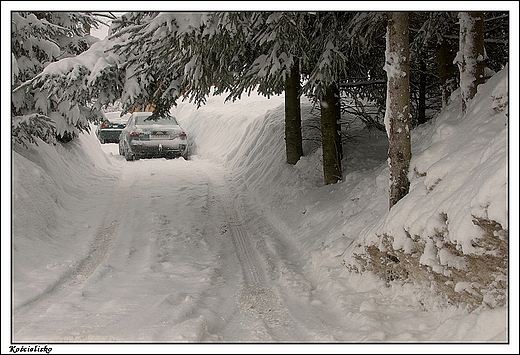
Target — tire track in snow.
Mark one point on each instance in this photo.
(243, 247)
(101, 248)
(104, 241)
(257, 297)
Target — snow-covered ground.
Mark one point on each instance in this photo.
(236, 246)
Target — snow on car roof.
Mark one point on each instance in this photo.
(116, 116)
(142, 113)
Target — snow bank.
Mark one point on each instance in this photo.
(49, 186)
(459, 169)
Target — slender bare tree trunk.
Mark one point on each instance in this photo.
(397, 116)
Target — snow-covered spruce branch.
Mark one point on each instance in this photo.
(25, 129)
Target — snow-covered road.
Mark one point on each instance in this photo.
(180, 255)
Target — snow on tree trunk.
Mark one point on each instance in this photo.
(330, 135)
(471, 56)
(397, 115)
(293, 123)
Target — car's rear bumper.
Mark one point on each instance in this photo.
(109, 136)
(159, 148)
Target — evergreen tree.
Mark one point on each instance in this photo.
(230, 52)
(496, 40)
(38, 39)
(181, 55)
(433, 42)
(273, 52)
(326, 62)
(147, 61)
(363, 89)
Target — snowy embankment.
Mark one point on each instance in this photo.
(52, 196)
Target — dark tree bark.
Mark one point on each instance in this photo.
(471, 54)
(447, 70)
(397, 115)
(331, 135)
(293, 122)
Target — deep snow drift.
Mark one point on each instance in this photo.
(61, 193)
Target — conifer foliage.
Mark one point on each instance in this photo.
(38, 39)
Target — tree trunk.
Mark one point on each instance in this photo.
(331, 135)
(471, 54)
(293, 121)
(397, 115)
(447, 70)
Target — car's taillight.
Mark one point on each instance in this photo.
(183, 135)
(104, 125)
(134, 134)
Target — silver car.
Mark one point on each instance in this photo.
(146, 137)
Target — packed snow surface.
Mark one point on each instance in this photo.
(235, 247)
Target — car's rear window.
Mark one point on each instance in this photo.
(168, 120)
(116, 117)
